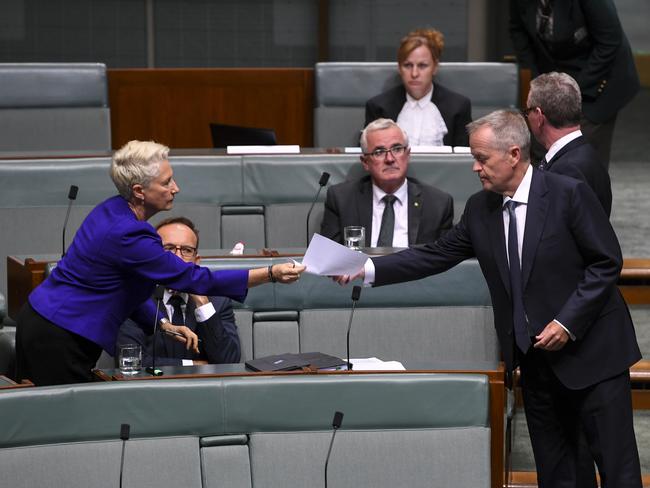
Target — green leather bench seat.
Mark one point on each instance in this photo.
(447, 317)
(54, 107)
(251, 431)
(342, 89)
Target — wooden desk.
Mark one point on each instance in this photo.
(9, 384)
(493, 371)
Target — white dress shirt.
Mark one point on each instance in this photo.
(201, 314)
(560, 143)
(422, 121)
(401, 205)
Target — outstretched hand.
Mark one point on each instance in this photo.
(345, 279)
(287, 272)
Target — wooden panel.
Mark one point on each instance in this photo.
(176, 106)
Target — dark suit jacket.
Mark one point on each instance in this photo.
(219, 338)
(456, 110)
(580, 160)
(430, 212)
(589, 44)
(571, 261)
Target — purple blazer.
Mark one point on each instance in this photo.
(112, 267)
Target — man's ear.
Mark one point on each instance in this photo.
(364, 162)
(514, 152)
(197, 259)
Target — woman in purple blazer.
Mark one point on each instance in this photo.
(110, 271)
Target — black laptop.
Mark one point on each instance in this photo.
(234, 135)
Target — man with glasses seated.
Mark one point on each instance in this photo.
(396, 211)
(210, 318)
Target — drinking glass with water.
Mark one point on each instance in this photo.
(130, 359)
(354, 237)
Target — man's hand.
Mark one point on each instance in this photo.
(182, 334)
(199, 300)
(552, 338)
(345, 279)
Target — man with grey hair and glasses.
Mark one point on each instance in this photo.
(396, 211)
(551, 261)
(554, 110)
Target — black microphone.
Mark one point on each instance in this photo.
(336, 423)
(72, 196)
(158, 294)
(356, 293)
(324, 178)
(125, 432)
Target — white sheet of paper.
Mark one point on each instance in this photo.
(325, 257)
(278, 149)
(374, 364)
(430, 149)
(352, 150)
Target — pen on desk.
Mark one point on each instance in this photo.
(174, 333)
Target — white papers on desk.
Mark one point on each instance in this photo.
(324, 257)
(352, 150)
(462, 149)
(277, 149)
(374, 364)
(430, 149)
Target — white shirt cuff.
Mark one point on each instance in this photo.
(204, 312)
(369, 270)
(573, 338)
(187, 362)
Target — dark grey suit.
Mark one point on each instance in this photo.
(456, 110)
(219, 338)
(579, 159)
(430, 212)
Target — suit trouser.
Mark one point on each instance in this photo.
(47, 354)
(600, 136)
(557, 417)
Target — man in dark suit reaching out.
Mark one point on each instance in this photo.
(553, 112)
(551, 261)
(417, 213)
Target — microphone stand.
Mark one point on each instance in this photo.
(158, 295)
(125, 432)
(336, 423)
(324, 178)
(356, 293)
(72, 196)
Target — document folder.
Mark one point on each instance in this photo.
(289, 362)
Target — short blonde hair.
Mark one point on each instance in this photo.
(137, 162)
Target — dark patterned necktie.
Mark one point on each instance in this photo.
(522, 337)
(387, 222)
(177, 316)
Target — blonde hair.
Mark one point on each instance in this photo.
(431, 38)
(137, 162)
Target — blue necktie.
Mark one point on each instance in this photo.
(522, 337)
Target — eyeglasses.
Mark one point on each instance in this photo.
(380, 153)
(527, 111)
(186, 251)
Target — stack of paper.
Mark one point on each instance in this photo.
(374, 364)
